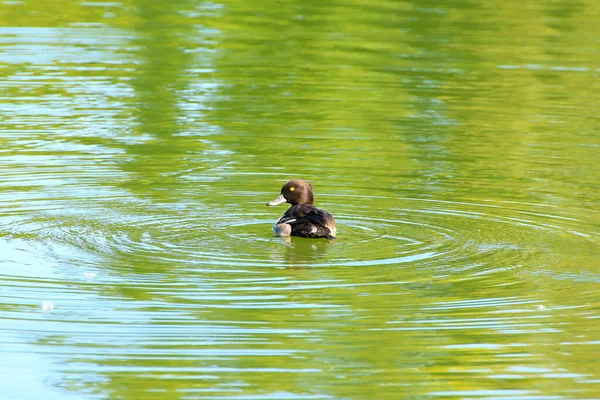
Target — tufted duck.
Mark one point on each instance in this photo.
(302, 218)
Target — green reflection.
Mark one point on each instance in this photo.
(165, 39)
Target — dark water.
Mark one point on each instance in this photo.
(456, 143)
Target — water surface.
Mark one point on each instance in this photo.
(456, 144)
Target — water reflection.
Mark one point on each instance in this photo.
(167, 106)
(305, 251)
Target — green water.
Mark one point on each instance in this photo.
(456, 143)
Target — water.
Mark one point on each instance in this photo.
(456, 144)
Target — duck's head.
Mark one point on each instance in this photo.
(296, 191)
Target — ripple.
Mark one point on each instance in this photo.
(432, 233)
(476, 233)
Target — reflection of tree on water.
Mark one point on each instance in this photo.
(164, 148)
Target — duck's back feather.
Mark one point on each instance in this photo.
(308, 221)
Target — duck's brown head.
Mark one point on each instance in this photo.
(296, 191)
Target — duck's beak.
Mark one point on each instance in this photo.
(280, 199)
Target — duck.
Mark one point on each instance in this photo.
(302, 218)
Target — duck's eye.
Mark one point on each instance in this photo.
(292, 189)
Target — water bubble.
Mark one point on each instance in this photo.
(47, 306)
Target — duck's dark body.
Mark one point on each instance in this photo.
(308, 221)
(302, 218)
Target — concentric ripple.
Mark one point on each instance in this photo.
(430, 232)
